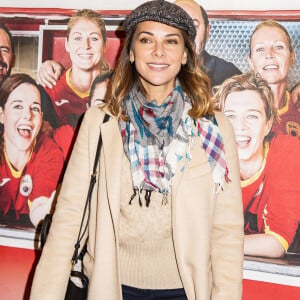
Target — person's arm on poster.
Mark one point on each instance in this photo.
(46, 180)
(49, 72)
(263, 245)
(40, 207)
(282, 213)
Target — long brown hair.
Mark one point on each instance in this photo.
(193, 81)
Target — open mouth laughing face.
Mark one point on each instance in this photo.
(246, 113)
(22, 118)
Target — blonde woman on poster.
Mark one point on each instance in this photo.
(85, 43)
(272, 55)
(30, 162)
(269, 165)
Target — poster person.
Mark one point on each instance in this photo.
(30, 162)
(269, 168)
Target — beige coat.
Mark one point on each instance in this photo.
(207, 230)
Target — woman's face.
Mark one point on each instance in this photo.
(158, 52)
(270, 54)
(85, 45)
(22, 117)
(246, 113)
(99, 93)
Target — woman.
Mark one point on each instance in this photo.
(271, 55)
(30, 162)
(85, 43)
(164, 221)
(269, 166)
(98, 93)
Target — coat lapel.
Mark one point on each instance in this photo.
(113, 154)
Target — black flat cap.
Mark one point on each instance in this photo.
(163, 12)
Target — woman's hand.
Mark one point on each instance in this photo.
(49, 73)
(39, 208)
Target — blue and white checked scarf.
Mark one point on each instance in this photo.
(156, 139)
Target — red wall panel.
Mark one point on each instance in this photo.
(17, 269)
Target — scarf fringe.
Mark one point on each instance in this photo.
(147, 196)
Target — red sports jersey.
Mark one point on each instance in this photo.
(64, 136)
(69, 103)
(289, 122)
(39, 177)
(271, 197)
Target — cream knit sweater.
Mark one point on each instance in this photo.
(147, 257)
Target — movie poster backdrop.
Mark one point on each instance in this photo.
(229, 39)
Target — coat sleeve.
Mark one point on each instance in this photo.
(52, 272)
(227, 233)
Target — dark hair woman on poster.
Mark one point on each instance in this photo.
(30, 162)
(100, 88)
(166, 214)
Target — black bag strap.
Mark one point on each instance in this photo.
(45, 229)
(93, 180)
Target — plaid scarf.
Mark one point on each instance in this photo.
(212, 143)
(156, 139)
